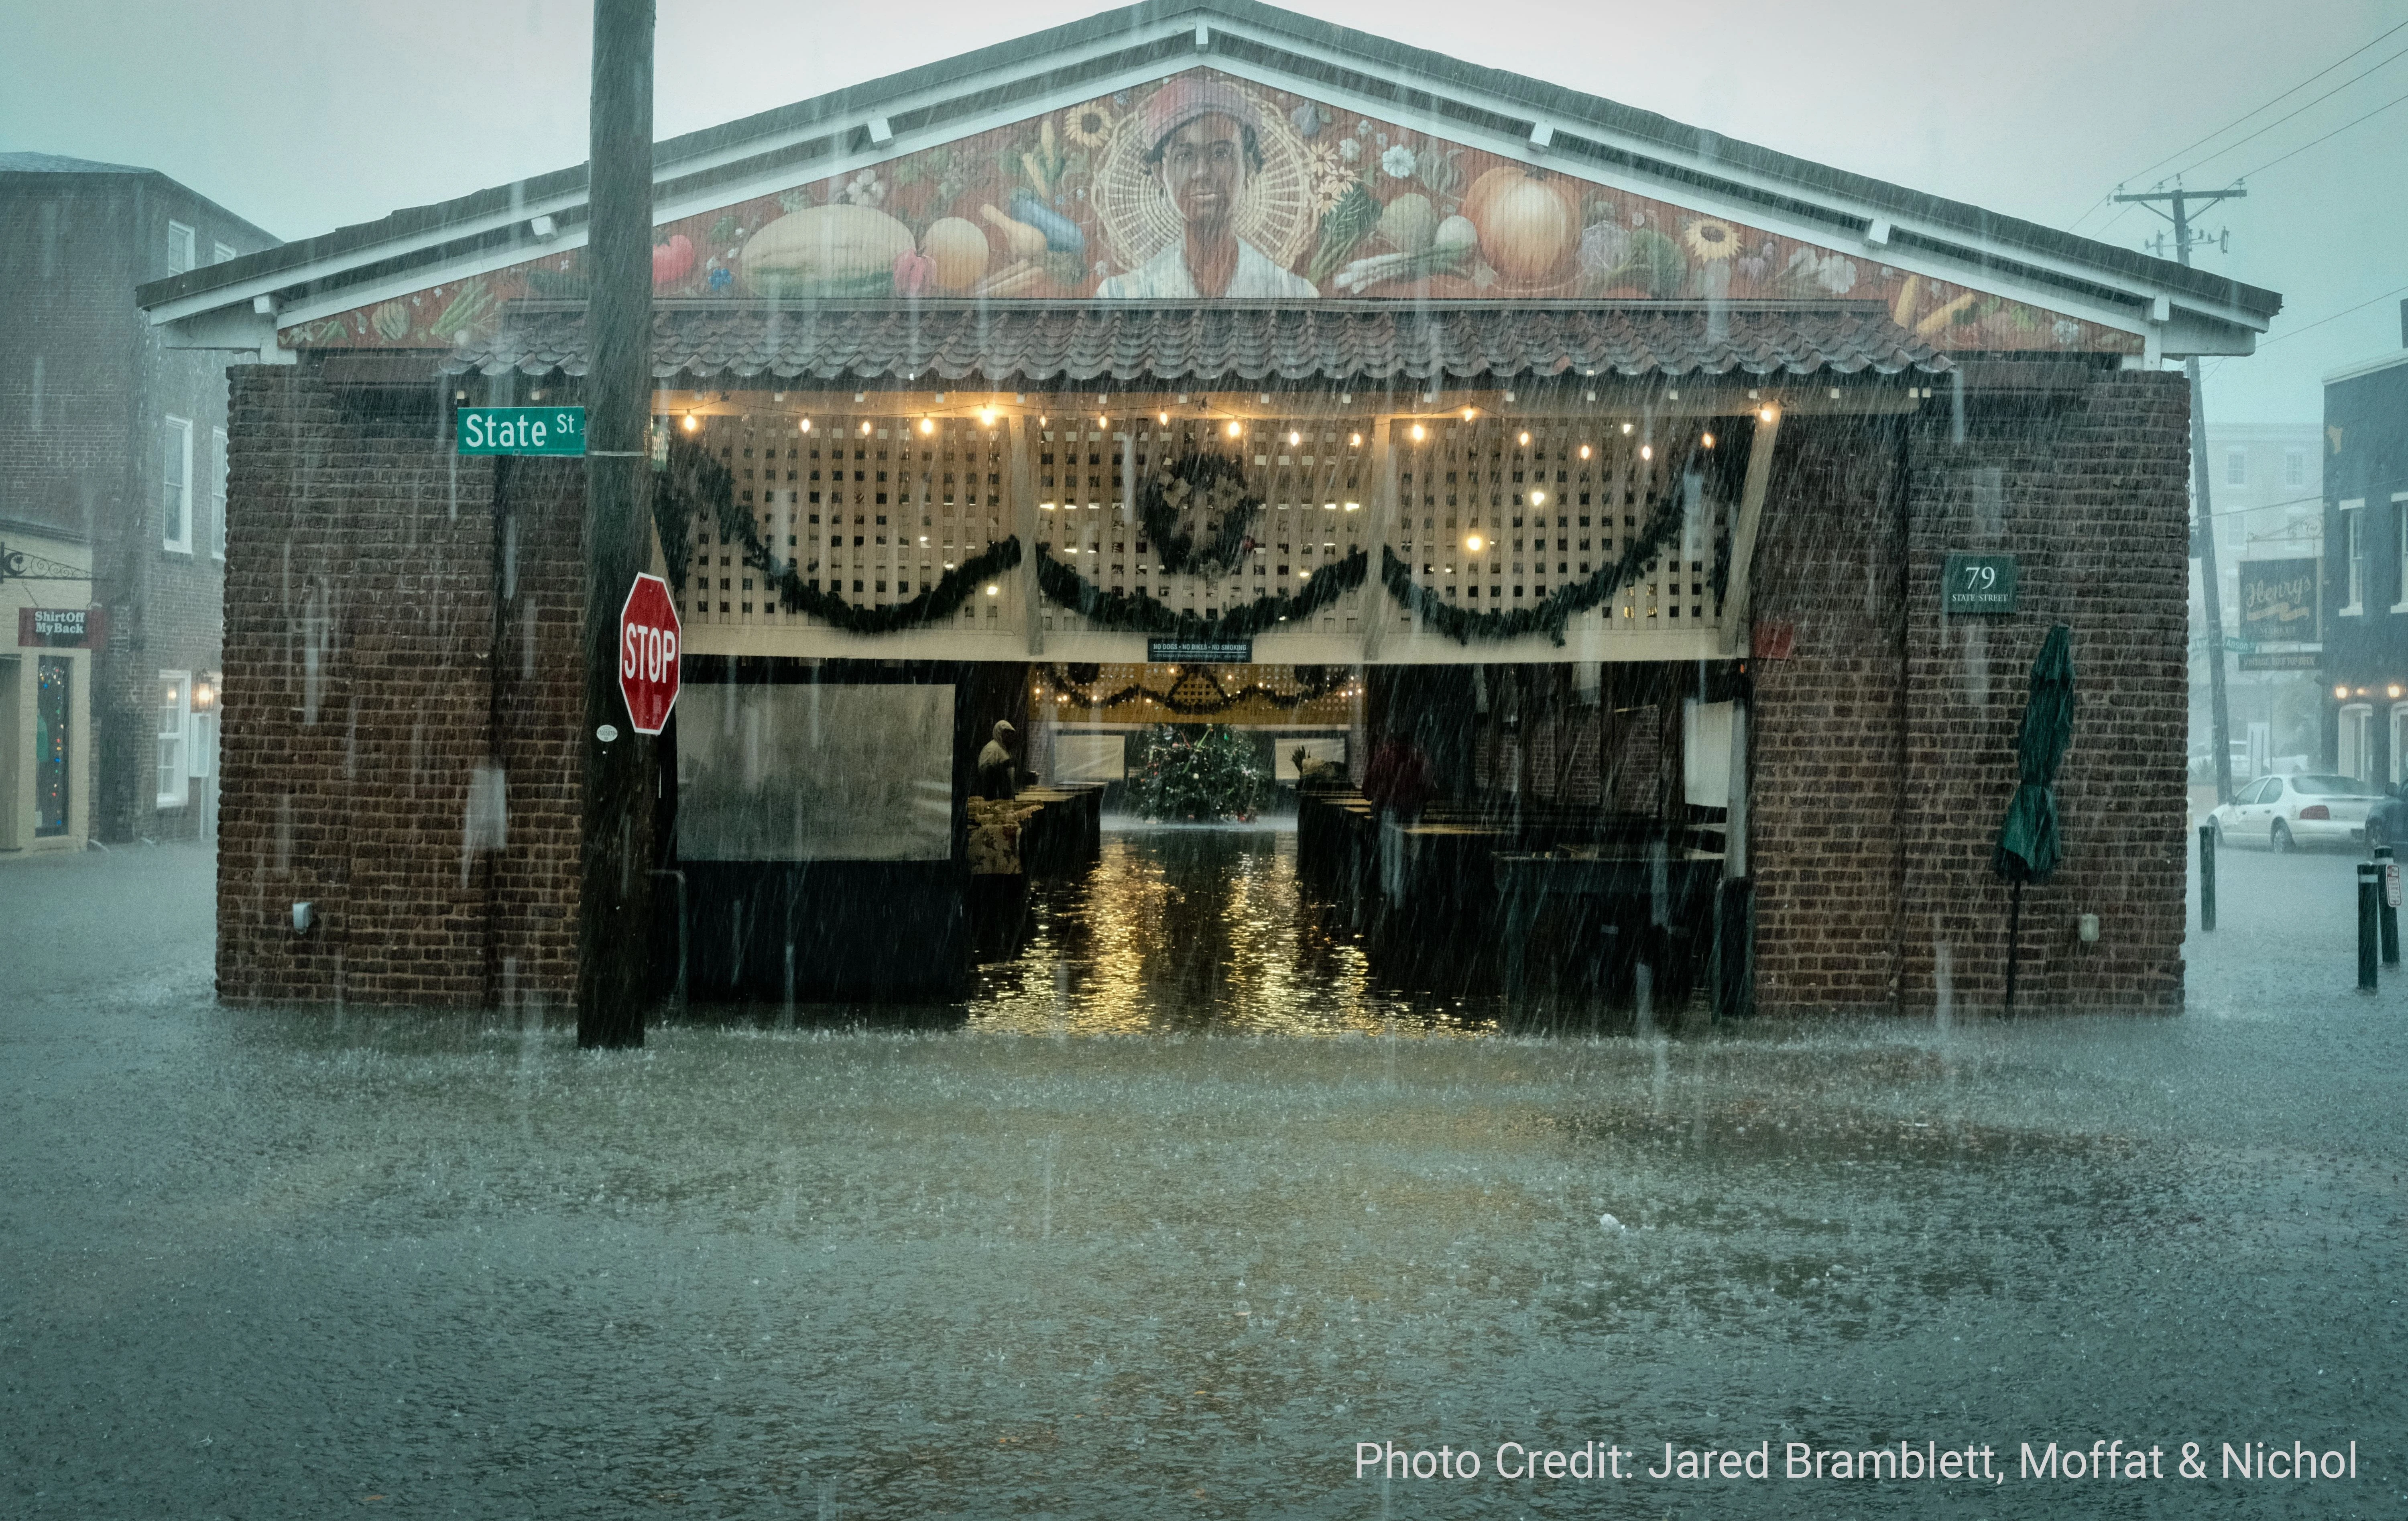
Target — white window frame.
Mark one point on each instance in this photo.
(222, 253)
(2398, 742)
(217, 493)
(176, 486)
(2236, 466)
(183, 248)
(2400, 531)
(172, 741)
(2353, 548)
(2295, 467)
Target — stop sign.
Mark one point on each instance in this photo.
(648, 654)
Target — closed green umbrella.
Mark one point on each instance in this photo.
(2030, 845)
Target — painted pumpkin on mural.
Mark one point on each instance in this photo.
(1206, 186)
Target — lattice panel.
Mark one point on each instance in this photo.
(1311, 474)
(870, 508)
(1547, 503)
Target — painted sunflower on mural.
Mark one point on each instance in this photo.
(1709, 240)
(1089, 126)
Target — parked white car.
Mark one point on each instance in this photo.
(2284, 812)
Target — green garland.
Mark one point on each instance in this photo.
(1175, 548)
(696, 481)
(1316, 688)
(1135, 612)
(1548, 617)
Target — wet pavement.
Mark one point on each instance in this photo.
(285, 1264)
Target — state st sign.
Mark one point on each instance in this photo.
(648, 654)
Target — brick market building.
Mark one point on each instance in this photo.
(1612, 469)
(112, 468)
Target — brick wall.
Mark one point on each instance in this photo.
(389, 633)
(1884, 746)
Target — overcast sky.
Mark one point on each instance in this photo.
(303, 115)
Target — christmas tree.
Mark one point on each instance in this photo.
(1201, 772)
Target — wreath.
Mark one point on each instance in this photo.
(1212, 486)
(696, 481)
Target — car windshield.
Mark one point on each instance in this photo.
(2333, 786)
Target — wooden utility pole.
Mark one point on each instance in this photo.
(614, 903)
(2220, 712)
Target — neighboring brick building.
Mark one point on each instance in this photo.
(114, 441)
(1626, 461)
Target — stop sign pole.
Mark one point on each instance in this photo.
(614, 929)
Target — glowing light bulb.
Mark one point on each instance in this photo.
(1294, 438)
(928, 426)
(1468, 413)
(993, 591)
(1163, 418)
(1583, 450)
(1473, 543)
(1355, 440)
(1538, 498)
(1237, 430)
(1707, 439)
(690, 423)
(1625, 428)
(2340, 691)
(864, 428)
(806, 424)
(1420, 433)
(1526, 437)
(1766, 414)
(1646, 450)
(986, 415)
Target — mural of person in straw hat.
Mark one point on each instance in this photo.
(1204, 142)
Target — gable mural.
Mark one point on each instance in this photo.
(1207, 187)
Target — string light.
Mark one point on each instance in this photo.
(1355, 440)
(1707, 439)
(1419, 433)
(986, 415)
(1237, 430)
(690, 423)
(1294, 438)
(806, 424)
(1163, 418)
(864, 428)
(1538, 498)
(928, 426)
(1625, 428)
(1467, 414)
(1473, 543)
(1526, 437)
(1766, 414)
(1646, 450)
(1583, 450)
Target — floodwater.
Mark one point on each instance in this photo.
(1200, 929)
(301, 1263)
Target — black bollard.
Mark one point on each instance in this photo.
(2387, 911)
(2207, 876)
(2369, 893)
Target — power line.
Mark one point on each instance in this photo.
(2287, 115)
(2335, 317)
(2246, 116)
(2334, 133)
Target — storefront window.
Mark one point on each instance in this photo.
(53, 705)
(2356, 755)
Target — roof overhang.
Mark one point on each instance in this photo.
(2176, 311)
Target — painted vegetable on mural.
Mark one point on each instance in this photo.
(1526, 222)
(825, 251)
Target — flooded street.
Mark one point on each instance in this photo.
(270, 1263)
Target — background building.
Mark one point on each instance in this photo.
(2266, 483)
(112, 460)
(2366, 566)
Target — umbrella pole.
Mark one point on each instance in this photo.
(2014, 941)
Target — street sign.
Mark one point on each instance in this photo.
(648, 654)
(522, 430)
(2240, 646)
(1978, 583)
(1201, 652)
(2278, 600)
(2282, 660)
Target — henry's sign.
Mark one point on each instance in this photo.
(2278, 600)
(648, 654)
(522, 430)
